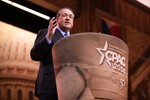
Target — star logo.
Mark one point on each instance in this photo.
(100, 51)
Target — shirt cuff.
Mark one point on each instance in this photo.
(49, 41)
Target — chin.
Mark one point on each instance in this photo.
(68, 27)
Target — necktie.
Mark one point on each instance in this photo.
(65, 34)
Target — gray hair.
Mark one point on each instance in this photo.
(59, 12)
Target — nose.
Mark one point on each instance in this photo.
(68, 17)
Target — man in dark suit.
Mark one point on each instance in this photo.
(45, 87)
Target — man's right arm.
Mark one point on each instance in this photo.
(41, 46)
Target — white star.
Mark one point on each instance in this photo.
(100, 51)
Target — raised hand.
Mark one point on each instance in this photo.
(51, 28)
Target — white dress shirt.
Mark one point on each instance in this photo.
(62, 32)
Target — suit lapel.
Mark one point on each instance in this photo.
(57, 36)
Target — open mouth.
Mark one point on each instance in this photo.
(67, 23)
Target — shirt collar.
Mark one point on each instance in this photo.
(62, 32)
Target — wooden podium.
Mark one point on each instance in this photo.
(91, 66)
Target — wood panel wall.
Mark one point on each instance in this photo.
(121, 9)
(129, 13)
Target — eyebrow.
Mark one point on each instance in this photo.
(66, 13)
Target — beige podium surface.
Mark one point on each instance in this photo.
(91, 66)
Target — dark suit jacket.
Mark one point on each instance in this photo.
(41, 51)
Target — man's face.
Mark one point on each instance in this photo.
(65, 20)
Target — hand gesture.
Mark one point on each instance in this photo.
(51, 27)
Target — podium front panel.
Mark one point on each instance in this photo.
(91, 66)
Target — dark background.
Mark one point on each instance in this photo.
(23, 19)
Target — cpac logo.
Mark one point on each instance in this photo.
(115, 60)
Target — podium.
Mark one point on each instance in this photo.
(91, 66)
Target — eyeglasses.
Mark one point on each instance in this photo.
(66, 15)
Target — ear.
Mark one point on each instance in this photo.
(57, 20)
